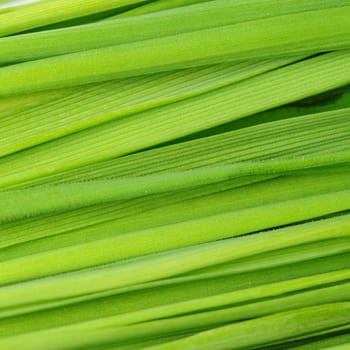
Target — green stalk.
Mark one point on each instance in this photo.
(265, 38)
(248, 296)
(229, 148)
(287, 256)
(340, 347)
(159, 5)
(186, 19)
(138, 228)
(318, 335)
(163, 265)
(158, 239)
(34, 228)
(14, 104)
(327, 343)
(335, 99)
(217, 107)
(48, 12)
(151, 211)
(174, 290)
(267, 329)
(70, 110)
(19, 204)
(249, 303)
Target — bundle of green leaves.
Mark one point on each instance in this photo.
(175, 174)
